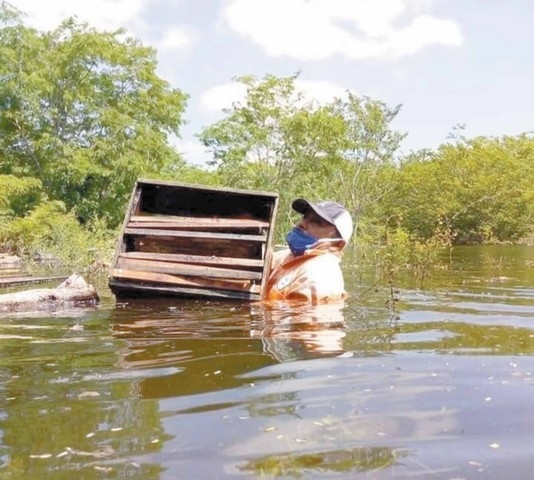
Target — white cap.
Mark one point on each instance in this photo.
(333, 212)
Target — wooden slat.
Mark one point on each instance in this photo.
(234, 226)
(185, 269)
(120, 287)
(188, 246)
(191, 234)
(188, 249)
(26, 280)
(190, 282)
(173, 221)
(246, 194)
(194, 259)
(9, 271)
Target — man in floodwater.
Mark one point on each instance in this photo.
(310, 269)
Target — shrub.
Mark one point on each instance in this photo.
(50, 231)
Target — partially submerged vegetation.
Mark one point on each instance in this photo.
(83, 114)
(49, 232)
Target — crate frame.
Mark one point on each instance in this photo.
(194, 241)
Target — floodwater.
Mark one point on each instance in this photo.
(437, 385)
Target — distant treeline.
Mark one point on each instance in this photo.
(83, 114)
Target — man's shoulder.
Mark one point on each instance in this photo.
(311, 260)
(324, 261)
(324, 257)
(280, 256)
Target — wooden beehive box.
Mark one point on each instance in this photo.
(194, 241)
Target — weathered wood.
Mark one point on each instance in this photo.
(173, 221)
(192, 234)
(7, 261)
(189, 239)
(26, 280)
(185, 269)
(191, 282)
(72, 291)
(128, 289)
(199, 246)
(8, 271)
(194, 259)
(133, 208)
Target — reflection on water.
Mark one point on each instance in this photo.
(169, 389)
(214, 343)
(340, 461)
(292, 332)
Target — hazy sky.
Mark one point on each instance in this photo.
(448, 62)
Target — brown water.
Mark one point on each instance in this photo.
(441, 389)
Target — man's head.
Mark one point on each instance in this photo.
(324, 219)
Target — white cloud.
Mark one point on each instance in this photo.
(317, 29)
(222, 96)
(194, 152)
(101, 14)
(399, 74)
(174, 38)
(321, 91)
(110, 15)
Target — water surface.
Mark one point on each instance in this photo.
(438, 385)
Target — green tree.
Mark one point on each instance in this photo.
(368, 148)
(276, 140)
(479, 189)
(84, 112)
(18, 195)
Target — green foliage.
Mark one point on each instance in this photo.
(401, 251)
(85, 113)
(191, 174)
(18, 195)
(367, 147)
(49, 230)
(275, 140)
(479, 189)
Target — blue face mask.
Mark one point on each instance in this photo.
(299, 241)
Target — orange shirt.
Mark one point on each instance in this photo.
(314, 277)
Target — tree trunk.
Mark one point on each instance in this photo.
(74, 290)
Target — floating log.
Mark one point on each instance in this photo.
(73, 291)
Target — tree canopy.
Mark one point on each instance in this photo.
(480, 189)
(476, 190)
(277, 140)
(84, 112)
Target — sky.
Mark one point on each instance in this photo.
(449, 63)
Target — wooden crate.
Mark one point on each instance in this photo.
(194, 241)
